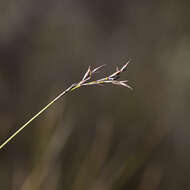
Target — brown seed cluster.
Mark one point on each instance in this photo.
(113, 78)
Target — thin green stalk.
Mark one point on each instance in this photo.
(35, 116)
(84, 82)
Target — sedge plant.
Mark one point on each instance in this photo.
(86, 81)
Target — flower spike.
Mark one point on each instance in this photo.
(87, 74)
(97, 68)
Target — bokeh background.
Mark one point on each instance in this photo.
(97, 138)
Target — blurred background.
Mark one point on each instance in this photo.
(97, 138)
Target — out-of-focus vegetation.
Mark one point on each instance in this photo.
(96, 138)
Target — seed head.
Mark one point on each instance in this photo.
(113, 78)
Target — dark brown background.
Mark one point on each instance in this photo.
(96, 138)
